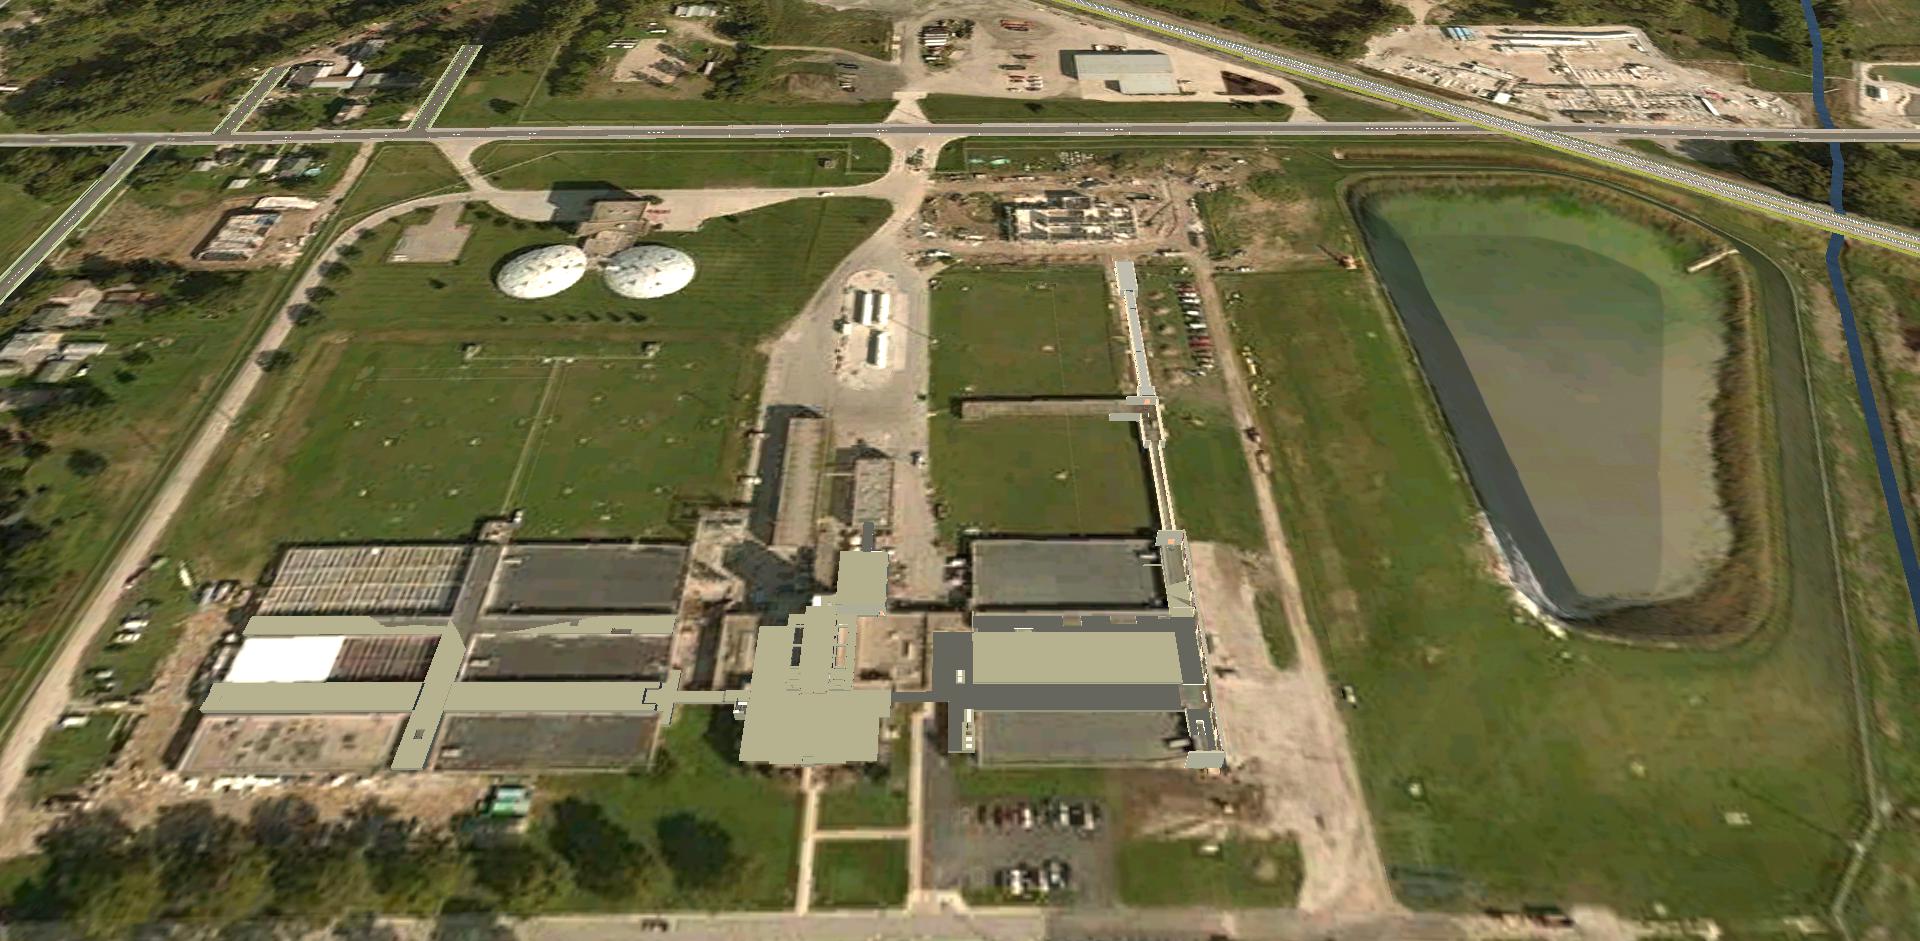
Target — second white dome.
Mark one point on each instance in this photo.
(646, 271)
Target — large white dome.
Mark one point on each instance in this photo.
(645, 271)
(542, 272)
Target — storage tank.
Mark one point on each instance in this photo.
(648, 271)
(541, 272)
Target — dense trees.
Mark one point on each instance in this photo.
(1333, 27)
(195, 865)
(89, 59)
(52, 175)
(284, 862)
(1879, 178)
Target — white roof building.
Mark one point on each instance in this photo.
(1133, 73)
(541, 272)
(285, 659)
(646, 271)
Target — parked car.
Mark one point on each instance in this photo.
(1057, 875)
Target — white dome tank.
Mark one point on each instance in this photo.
(645, 271)
(542, 272)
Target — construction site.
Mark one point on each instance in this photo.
(1605, 74)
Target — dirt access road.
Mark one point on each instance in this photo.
(53, 691)
(1282, 727)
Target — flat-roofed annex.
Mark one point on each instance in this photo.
(1069, 657)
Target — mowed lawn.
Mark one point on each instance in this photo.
(860, 874)
(423, 400)
(1041, 476)
(1232, 873)
(396, 173)
(23, 216)
(1006, 331)
(642, 165)
(724, 836)
(1212, 489)
(1503, 766)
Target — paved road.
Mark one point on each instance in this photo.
(1002, 129)
(443, 89)
(248, 103)
(16, 273)
(1750, 197)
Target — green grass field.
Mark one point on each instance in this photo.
(23, 216)
(1040, 476)
(970, 109)
(491, 99)
(395, 174)
(1273, 627)
(874, 801)
(683, 164)
(1906, 74)
(1212, 492)
(167, 606)
(383, 429)
(67, 757)
(1025, 331)
(1546, 770)
(727, 837)
(860, 874)
(1237, 874)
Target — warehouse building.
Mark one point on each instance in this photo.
(491, 655)
(1137, 72)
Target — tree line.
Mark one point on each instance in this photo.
(1338, 28)
(91, 59)
(285, 863)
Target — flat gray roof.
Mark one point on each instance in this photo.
(536, 577)
(527, 742)
(1069, 657)
(1045, 738)
(1076, 574)
(549, 657)
(1102, 66)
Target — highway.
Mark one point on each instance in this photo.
(57, 232)
(1004, 129)
(443, 88)
(1751, 197)
(262, 86)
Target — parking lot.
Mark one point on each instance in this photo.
(971, 841)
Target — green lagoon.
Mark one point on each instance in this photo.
(1576, 362)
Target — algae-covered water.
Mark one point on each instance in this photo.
(1576, 361)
